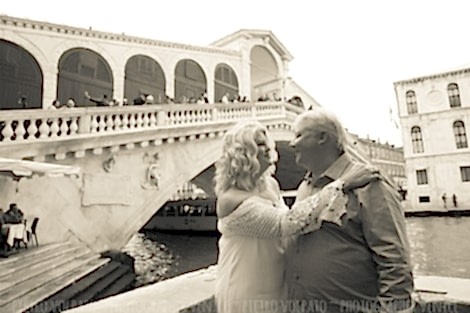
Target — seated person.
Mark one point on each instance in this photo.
(14, 215)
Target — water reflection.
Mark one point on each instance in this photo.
(159, 256)
(440, 245)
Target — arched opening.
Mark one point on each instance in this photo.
(83, 70)
(190, 81)
(225, 81)
(143, 75)
(454, 95)
(266, 83)
(460, 135)
(20, 77)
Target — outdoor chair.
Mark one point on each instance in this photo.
(32, 236)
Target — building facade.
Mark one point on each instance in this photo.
(386, 157)
(434, 114)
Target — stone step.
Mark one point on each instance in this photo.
(122, 284)
(110, 279)
(104, 282)
(71, 295)
(32, 252)
(50, 279)
(25, 274)
(28, 261)
(64, 289)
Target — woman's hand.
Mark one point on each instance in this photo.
(359, 177)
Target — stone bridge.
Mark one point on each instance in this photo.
(132, 161)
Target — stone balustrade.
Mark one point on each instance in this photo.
(43, 125)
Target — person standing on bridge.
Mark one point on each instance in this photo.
(252, 219)
(101, 102)
(363, 263)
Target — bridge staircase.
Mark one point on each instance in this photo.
(58, 276)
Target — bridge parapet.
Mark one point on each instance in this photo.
(43, 127)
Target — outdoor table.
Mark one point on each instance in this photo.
(12, 232)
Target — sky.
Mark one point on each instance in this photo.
(347, 54)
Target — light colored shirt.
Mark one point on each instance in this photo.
(365, 261)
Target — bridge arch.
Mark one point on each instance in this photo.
(190, 81)
(83, 70)
(20, 76)
(225, 81)
(265, 72)
(144, 75)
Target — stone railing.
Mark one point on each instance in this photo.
(44, 125)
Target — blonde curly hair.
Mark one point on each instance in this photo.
(239, 166)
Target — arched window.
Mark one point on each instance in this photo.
(454, 95)
(190, 81)
(144, 76)
(225, 81)
(411, 103)
(83, 70)
(417, 140)
(21, 78)
(460, 135)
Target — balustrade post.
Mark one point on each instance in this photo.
(84, 123)
(215, 114)
(253, 112)
(161, 118)
(20, 130)
(145, 120)
(132, 121)
(44, 129)
(73, 125)
(64, 128)
(7, 131)
(109, 123)
(153, 120)
(54, 127)
(32, 130)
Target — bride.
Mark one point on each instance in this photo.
(255, 223)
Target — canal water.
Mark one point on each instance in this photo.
(439, 246)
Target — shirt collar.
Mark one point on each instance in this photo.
(332, 173)
(338, 167)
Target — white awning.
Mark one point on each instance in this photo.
(20, 168)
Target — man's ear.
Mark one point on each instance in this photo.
(323, 137)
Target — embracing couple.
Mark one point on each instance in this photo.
(342, 247)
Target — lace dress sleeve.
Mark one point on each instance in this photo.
(257, 217)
